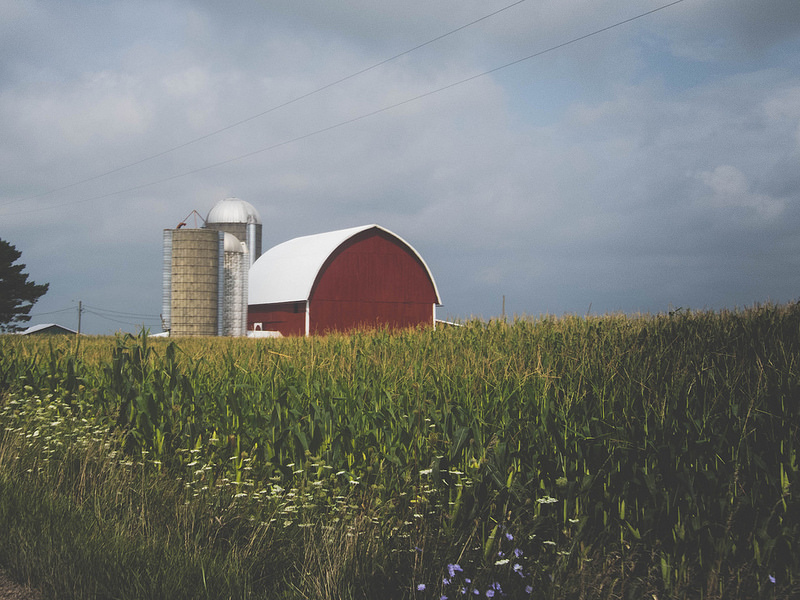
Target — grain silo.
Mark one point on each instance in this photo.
(239, 218)
(206, 272)
(193, 274)
(236, 264)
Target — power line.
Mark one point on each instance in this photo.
(107, 318)
(104, 313)
(118, 316)
(265, 112)
(112, 318)
(358, 118)
(52, 312)
(120, 312)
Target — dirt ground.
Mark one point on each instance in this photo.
(13, 591)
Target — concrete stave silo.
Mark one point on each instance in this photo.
(192, 294)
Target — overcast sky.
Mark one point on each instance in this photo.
(651, 166)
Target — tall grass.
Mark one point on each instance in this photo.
(617, 455)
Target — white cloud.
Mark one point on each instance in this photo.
(784, 110)
(730, 189)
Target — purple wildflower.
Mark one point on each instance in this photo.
(771, 579)
(490, 593)
(529, 589)
(453, 569)
(421, 587)
(517, 552)
(509, 537)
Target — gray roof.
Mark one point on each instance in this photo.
(47, 328)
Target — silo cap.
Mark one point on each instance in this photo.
(232, 243)
(233, 210)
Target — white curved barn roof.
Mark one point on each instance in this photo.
(287, 272)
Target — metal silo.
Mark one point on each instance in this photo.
(234, 304)
(166, 281)
(193, 281)
(240, 218)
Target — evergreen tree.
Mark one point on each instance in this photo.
(17, 294)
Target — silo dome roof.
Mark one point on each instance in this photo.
(233, 210)
(232, 243)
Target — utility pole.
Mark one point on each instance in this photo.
(80, 310)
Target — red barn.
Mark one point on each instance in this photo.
(360, 277)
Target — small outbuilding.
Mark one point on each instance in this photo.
(48, 329)
(341, 280)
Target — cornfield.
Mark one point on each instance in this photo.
(615, 456)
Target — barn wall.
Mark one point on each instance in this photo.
(372, 280)
(288, 317)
